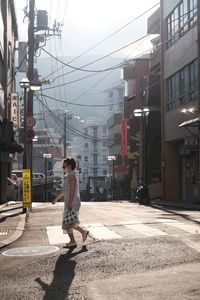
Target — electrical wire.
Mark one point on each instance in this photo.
(109, 36)
(61, 123)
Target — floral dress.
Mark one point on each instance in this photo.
(76, 203)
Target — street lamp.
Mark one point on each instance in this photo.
(46, 157)
(34, 85)
(142, 114)
(25, 84)
(113, 158)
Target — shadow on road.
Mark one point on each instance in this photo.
(175, 212)
(63, 275)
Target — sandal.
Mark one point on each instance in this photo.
(85, 235)
(68, 245)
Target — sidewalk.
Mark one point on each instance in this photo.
(12, 222)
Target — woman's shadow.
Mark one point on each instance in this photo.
(63, 275)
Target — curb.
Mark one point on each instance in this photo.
(17, 233)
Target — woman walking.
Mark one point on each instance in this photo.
(71, 200)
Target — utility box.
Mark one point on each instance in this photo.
(42, 20)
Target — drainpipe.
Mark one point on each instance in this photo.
(163, 170)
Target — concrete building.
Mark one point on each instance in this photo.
(8, 97)
(180, 100)
(135, 75)
(114, 99)
(94, 160)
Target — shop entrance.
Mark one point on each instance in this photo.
(190, 178)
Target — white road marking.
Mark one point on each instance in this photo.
(101, 232)
(190, 228)
(144, 229)
(191, 244)
(56, 236)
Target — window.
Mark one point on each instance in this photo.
(180, 20)
(95, 132)
(105, 172)
(182, 86)
(86, 158)
(104, 129)
(104, 144)
(111, 94)
(95, 159)
(95, 172)
(104, 158)
(86, 145)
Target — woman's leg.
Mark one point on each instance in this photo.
(71, 237)
(84, 232)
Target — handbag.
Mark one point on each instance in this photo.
(70, 217)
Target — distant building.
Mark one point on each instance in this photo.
(94, 157)
(114, 99)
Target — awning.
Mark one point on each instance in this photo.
(191, 123)
(10, 147)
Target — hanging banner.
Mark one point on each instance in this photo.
(14, 110)
(26, 185)
(124, 138)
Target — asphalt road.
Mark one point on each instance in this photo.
(135, 252)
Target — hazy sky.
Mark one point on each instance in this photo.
(87, 22)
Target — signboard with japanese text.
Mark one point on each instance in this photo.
(124, 138)
(21, 112)
(14, 110)
(26, 186)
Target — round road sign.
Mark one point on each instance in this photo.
(30, 134)
(30, 121)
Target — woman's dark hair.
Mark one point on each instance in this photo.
(70, 161)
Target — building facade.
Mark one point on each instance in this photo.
(180, 99)
(8, 112)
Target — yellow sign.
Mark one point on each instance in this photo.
(26, 185)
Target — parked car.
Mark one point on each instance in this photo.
(38, 175)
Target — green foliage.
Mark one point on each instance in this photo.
(133, 155)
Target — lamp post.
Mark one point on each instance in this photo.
(113, 158)
(34, 85)
(25, 84)
(46, 157)
(142, 114)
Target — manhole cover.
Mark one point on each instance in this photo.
(31, 251)
(4, 231)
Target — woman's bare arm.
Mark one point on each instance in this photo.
(72, 184)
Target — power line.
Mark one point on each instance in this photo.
(61, 123)
(109, 36)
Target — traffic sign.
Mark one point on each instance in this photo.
(30, 121)
(30, 134)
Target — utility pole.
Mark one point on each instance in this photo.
(65, 135)
(31, 49)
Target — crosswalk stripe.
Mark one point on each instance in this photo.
(101, 232)
(194, 228)
(56, 236)
(144, 229)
